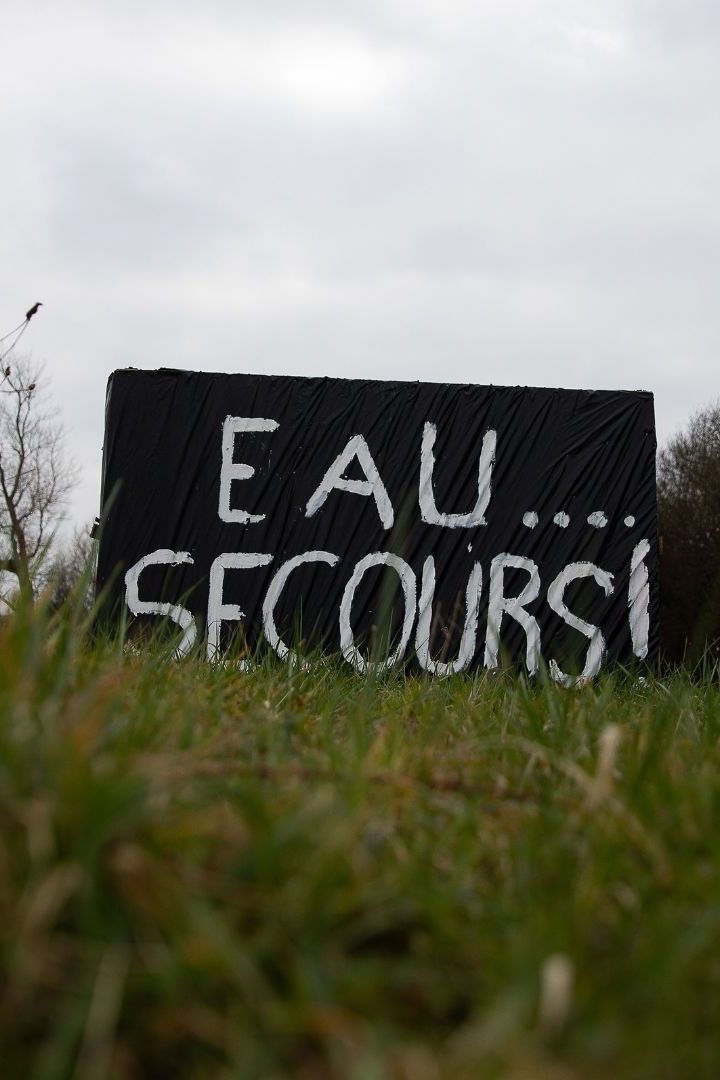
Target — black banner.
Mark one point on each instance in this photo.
(448, 527)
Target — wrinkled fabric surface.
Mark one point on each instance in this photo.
(562, 457)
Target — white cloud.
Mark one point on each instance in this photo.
(605, 42)
(321, 69)
(510, 191)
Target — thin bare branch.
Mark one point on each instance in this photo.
(35, 477)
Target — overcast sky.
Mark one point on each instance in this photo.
(500, 191)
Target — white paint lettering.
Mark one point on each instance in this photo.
(428, 510)
(234, 470)
(178, 614)
(409, 586)
(639, 600)
(372, 484)
(514, 606)
(273, 595)
(466, 650)
(556, 600)
(219, 612)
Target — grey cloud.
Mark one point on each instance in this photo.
(531, 200)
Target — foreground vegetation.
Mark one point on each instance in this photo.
(209, 874)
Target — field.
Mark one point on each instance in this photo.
(211, 874)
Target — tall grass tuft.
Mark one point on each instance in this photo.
(208, 873)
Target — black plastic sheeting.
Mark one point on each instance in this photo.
(457, 526)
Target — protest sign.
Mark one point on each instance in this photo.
(447, 527)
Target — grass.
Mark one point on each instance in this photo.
(209, 874)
